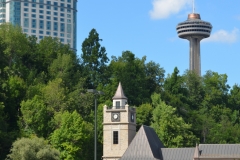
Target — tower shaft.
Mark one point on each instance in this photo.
(194, 55)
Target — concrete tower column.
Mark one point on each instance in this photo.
(194, 54)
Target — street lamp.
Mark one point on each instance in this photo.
(95, 92)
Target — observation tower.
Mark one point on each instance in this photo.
(194, 29)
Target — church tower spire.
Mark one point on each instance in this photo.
(119, 99)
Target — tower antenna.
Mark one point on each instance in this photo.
(193, 6)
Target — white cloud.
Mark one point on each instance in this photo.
(224, 36)
(164, 8)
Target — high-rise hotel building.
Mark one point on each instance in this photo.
(56, 18)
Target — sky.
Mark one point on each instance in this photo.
(148, 28)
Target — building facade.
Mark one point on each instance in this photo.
(56, 18)
(119, 126)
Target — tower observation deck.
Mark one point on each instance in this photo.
(194, 29)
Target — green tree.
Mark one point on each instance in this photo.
(144, 115)
(32, 149)
(234, 98)
(216, 89)
(39, 110)
(171, 129)
(94, 60)
(65, 67)
(175, 93)
(195, 92)
(73, 137)
(138, 78)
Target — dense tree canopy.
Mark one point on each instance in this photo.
(43, 88)
(33, 149)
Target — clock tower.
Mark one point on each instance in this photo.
(119, 126)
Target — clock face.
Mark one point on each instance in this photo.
(115, 117)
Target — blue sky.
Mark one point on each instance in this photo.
(148, 28)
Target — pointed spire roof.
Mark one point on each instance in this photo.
(119, 93)
(196, 152)
(145, 145)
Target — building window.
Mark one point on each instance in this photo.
(62, 9)
(62, 29)
(68, 28)
(25, 14)
(48, 12)
(117, 103)
(62, 19)
(40, 11)
(48, 7)
(48, 2)
(48, 25)
(55, 13)
(33, 31)
(55, 18)
(25, 30)
(55, 26)
(115, 137)
(40, 6)
(62, 34)
(25, 4)
(40, 32)
(48, 17)
(62, 15)
(26, 9)
(55, 8)
(55, 34)
(33, 15)
(34, 5)
(41, 24)
(33, 10)
(33, 23)
(48, 33)
(69, 1)
(41, 16)
(55, 3)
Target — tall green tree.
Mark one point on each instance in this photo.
(94, 60)
(170, 128)
(138, 78)
(175, 92)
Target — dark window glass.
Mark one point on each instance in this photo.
(115, 137)
(118, 104)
